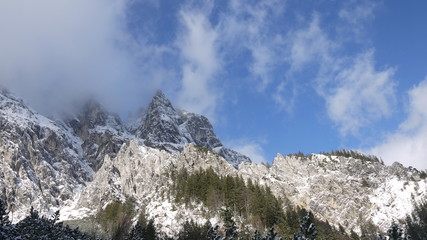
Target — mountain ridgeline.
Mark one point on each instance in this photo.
(172, 169)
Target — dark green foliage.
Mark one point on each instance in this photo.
(395, 233)
(255, 203)
(192, 231)
(353, 235)
(256, 236)
(307, 229)
(298, 154)
(146, 232)
(213, 233)
(144, 229)
(423, 174)
(353, 154)
(368, 230)
(4, 215)
(365, 183)
(417, 222)
(229, 224)
(271, 235)
(116, 218)
(36, 227)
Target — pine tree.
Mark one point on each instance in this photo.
(271, 235)
(229, 224)
(417, 222)
(4, 215)
(212, 233)
(395, 233)
(307, 229)
(257, 236)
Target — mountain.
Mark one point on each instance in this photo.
(85, 161)
(166, 128)
(102, 132)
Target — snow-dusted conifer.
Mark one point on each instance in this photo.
(308, 231)
(395, 233)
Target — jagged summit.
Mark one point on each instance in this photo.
(166, 128)
(102, 132)
(161, 122)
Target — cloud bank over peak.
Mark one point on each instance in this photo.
(54, 52)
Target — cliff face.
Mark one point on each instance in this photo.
(41, 162)
(344, 190)
(46, 163)
(341, 190)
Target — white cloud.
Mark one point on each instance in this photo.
(247, 27)
(56, 52)
(309, 45)
(361, 95)
(285, 96)
(355, 16)
(197, 43)
(249, 148)
(408, 144)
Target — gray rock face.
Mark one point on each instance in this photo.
(102, 133)
(341, 190)
(41, 163)
(166, 128)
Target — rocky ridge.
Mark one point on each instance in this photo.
(341, 190)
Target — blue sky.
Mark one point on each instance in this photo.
(272, 76)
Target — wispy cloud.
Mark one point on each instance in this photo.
(355, 16)
(356, 93)
(197, 43)
(361, 94)
(309, 45)
(408, 144)
(246, 26)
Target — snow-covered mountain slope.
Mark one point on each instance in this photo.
(40, 162)
(45, 163)
(142, 173)
(341, 190)
(164, 127)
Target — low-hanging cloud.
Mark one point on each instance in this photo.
(57, 52)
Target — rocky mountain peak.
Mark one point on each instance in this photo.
(161, 122)
(161, 103)
(101, 131)
(166, 128)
